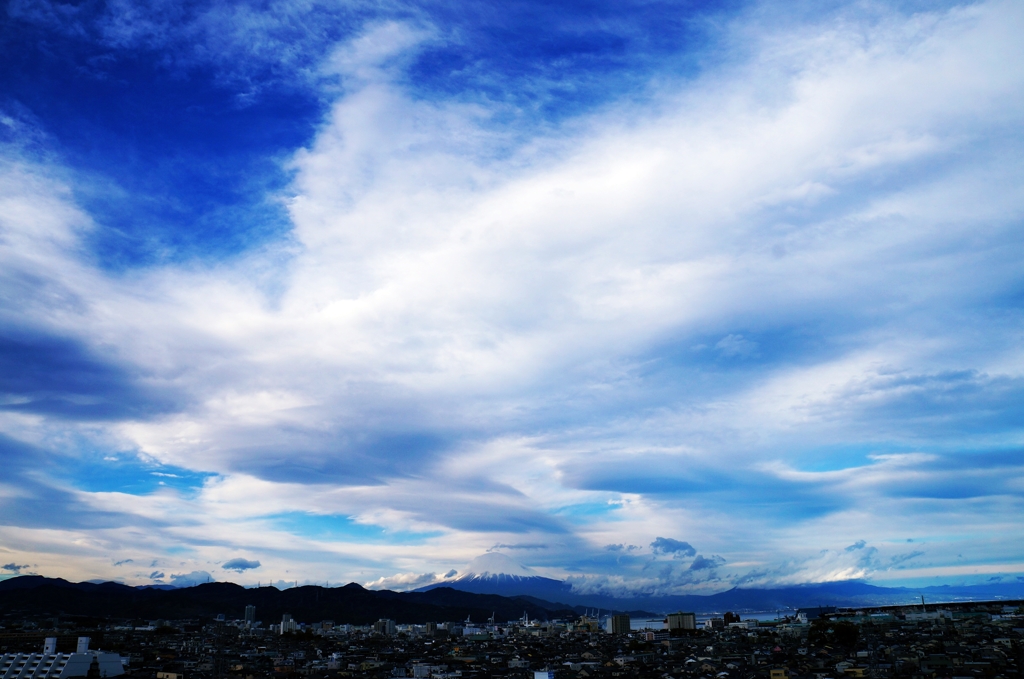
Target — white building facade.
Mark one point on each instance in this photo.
(58, 665)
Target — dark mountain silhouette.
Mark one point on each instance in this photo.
(37, 595)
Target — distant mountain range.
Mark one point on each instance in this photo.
(852, 594)
(490, 585)
(496, 573)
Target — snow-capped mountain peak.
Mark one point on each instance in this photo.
(494, 565)
(496, 573)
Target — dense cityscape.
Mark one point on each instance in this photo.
(977, 640)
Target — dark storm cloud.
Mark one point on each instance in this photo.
(60, 377)
(14, 568)
(898, 559)
(670, 546)
(667, 475)
(953, 475)
(961, 402)
(239, 565)
(702, 563)
(190, 579)
(311, 456)
(508, 519)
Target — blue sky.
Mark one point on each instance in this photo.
(304, 291)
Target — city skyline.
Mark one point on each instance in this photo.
(654, 297)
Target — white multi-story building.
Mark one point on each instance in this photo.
(288, 624)
(52, 665)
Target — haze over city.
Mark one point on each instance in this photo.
(646, 297)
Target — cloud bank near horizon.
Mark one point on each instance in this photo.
(738, 304)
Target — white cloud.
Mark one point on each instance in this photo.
(458, 331)
(405, 581)
(735, 345)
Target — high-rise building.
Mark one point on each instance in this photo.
(680, 621)
(384, 626)
(288, 624)
(250, 615)
(618, 624)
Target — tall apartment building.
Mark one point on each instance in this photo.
(678, 621)
(618, 624)
(384, 626)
